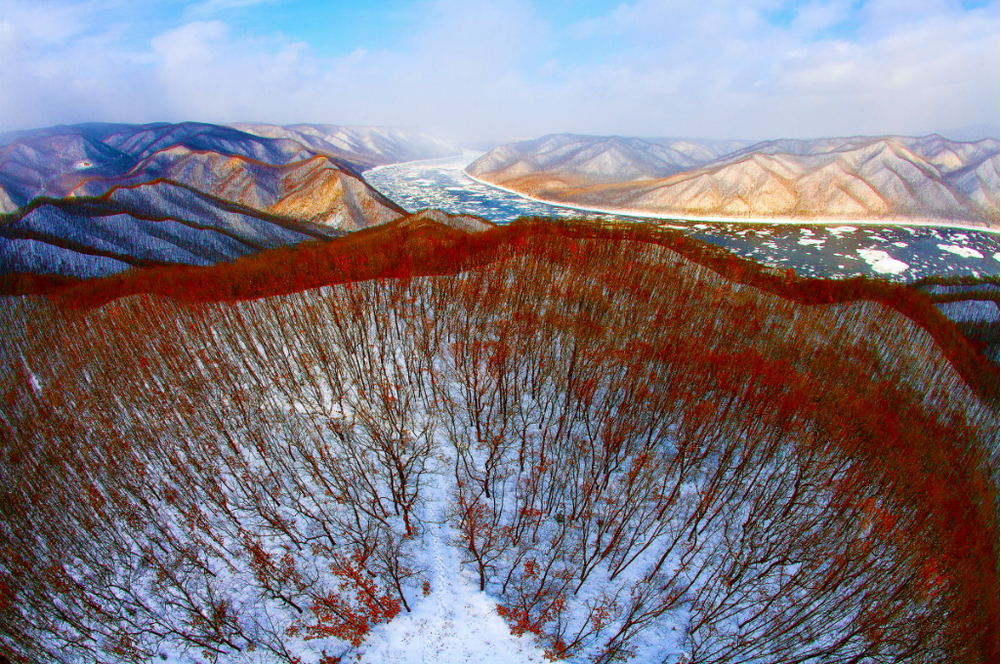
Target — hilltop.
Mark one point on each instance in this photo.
(575, 441)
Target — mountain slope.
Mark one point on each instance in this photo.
(886, 178)
(597, 158)
(364, 146)
(585, 437)
(158, 222)
(89, 200)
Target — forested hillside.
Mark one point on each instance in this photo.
(635, 446)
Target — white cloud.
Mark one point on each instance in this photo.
(48, 22)
(936, 67)
(210, 7)
(65, 63)
(815, 17)
(191, 44)
(496, 69)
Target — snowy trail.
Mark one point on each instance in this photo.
(455, 624)
(441, 635)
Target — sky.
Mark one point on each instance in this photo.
(491, 70)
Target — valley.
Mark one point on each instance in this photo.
(901, 253)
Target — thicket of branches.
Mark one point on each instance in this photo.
(431, 243)
(634, 442)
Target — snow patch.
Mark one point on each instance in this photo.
(33, 382)
(970, 310)
(470, 631)
(882, 262)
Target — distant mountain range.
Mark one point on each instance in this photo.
(891, 178)
(363, 146)
(94, 199)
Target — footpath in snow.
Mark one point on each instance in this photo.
(456, 622)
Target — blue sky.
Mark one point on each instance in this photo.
(504, 69)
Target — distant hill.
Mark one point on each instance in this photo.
(896, 179)
(598, 158)
(364, 146)
(93, 199)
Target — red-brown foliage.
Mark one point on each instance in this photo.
(351, 612)
(405, 249)
(533, 311)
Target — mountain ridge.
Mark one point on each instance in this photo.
(193, 192)
(892, 179)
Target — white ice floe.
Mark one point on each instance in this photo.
(837, 230)
(882, 262)
(902, 245)
(808, 241)
(965, 252)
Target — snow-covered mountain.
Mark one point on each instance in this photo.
(87, 200)
(868, 178)
(365, 146)
(598, 158)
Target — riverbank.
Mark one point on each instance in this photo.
(793, 221)
(835, 250)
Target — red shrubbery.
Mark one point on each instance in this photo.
(353, 610)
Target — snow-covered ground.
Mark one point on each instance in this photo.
(455, 623)
(970, 310)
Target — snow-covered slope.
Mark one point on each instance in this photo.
(882, 178)
(64, 191)
(591, 449)
(597, 158)
(365, 146)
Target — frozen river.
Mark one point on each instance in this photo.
(901, 253)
